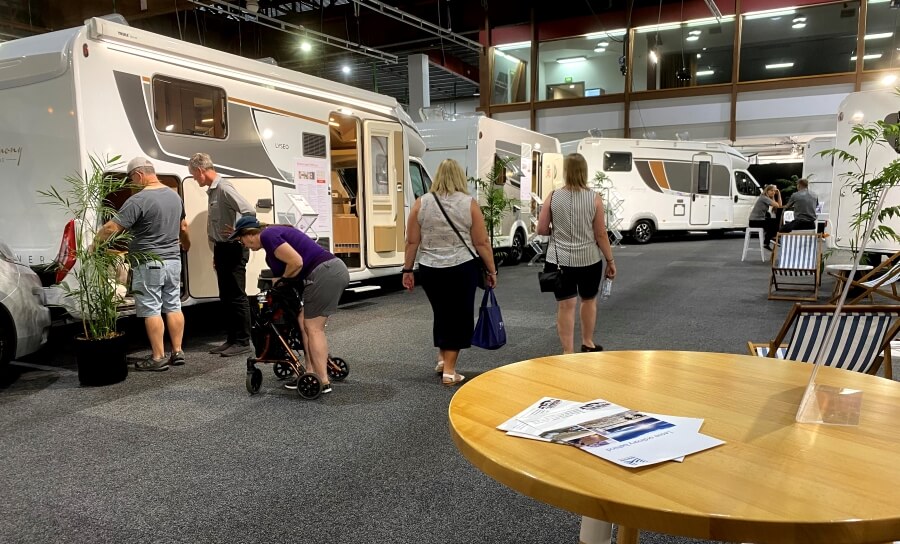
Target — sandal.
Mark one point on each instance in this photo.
(452, 379)
(440, 367)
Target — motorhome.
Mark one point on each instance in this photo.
(339, 162)
(819, 169)
(477, 143)
(673, 185)
(862, 108)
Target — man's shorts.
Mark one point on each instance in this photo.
(156, 286)
(323, 288)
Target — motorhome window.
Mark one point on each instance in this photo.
(616, 162)
(513, 172)
(703, 177)
(745, 185)
(313, 145)
(380, 165)
(184, 107)
(418, 178)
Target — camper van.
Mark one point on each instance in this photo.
(477, 142)
(674, 185)
(863, 108)
(338, 162)
(818, 170)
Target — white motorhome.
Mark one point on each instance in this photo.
(339, 162)
(863, 108)
(819, 170)
(477, 143)
(674, 185)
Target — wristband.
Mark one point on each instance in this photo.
(491, 273)
(407, 271)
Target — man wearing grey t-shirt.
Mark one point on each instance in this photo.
(155, 218)
(804, 205)
(229, 256)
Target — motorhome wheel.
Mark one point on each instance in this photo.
(516, 250)
(643, 231)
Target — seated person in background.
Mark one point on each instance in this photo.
(760, 216)
(804, 204)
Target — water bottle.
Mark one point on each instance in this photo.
(605, 289)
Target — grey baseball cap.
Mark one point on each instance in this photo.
(137, 162)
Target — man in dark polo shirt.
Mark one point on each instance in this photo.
(229, 257)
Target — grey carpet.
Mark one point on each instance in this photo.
(188, 456)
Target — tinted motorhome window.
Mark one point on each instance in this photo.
(184, 107)
(616, 162)
(745, 185)
(418, 183)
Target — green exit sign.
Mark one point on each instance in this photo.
(568, 80)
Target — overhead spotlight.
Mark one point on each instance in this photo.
(306, 47)
(253, 6)
(345, 69)
(683, 74)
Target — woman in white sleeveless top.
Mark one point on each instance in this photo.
(448, 271)
(577, 239)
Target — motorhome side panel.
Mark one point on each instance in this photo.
(819, 170)
(39, 147)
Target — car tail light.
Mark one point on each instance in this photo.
(67, 254)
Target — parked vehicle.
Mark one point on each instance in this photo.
(477, 143)
(819, 170)
(674, 185)
(863, 107)
(337, 161)
(24, 319)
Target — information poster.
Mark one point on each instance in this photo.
(312, 183)
(525, 166)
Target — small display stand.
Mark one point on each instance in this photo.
(307, 215)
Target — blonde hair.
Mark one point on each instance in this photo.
(450, 178)
(769, 187)
(575, 171)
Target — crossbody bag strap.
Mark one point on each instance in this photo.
(553, 228)
(452, 226)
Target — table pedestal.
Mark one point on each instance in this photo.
(594, 531)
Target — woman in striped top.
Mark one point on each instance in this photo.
(577, 238)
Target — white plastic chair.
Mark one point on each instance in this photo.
(748, 232)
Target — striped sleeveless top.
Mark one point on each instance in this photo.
(572, 240)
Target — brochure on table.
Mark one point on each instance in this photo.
(626, 437)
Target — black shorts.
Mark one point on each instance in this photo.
(583, 281)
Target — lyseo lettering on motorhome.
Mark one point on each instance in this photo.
(10, 155)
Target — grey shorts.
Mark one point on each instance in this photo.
(156, 287)
(323, 288)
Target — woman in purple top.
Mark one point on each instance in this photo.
(293, 255)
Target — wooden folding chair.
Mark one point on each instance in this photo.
(796, 255)
(877, 280)
(862, 342)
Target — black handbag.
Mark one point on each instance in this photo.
(551, 280)
(482, 276)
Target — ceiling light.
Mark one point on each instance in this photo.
(709, 21)
(692, 38)
(608, 34)
(306, 47)
(888, 79)
(170, 128)
(705, 73)
(657, 28)
(345, 69)
(800, 19)
(798, 25)
(879, 36)
(779, 65)
(770, 14)
(600, 50)
(510, 46)
(695, 32)
(698, 55)
(871, 56)
(570, 60)
(207, 120)
(476, 94)
(603, 44)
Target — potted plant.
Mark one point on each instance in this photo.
(493, 199)
(91, 286)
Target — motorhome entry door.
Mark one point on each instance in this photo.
(383, 197)
(200, 272)
(701, 180)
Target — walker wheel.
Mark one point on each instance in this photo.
(254, 381)
(282, 370)
(308, 386)
(338, 369)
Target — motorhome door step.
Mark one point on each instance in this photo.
(363, 288)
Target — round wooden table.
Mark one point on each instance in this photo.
(774, 480)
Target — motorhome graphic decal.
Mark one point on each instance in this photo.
(243, 146)
(677, 176)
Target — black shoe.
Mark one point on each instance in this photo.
(220, 349)
(152, 365)
(235, 349)
(326, 388)
(177, 358)
(585, 349)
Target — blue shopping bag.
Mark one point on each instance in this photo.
(489, 331)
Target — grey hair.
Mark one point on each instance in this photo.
(144, 170)
(201, 161)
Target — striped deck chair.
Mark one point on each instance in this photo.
(881, 280)
(796, 255)
(863, 337)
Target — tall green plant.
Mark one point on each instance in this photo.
(493, 199)
(84, 198)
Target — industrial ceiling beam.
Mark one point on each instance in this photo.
(222, 7)
(454, 65)
(422, 24)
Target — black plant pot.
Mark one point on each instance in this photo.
(101, 362)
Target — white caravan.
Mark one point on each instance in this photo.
(337, 161)
(818, 170)
(863, 107)
(477, 143)
(674, 185)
